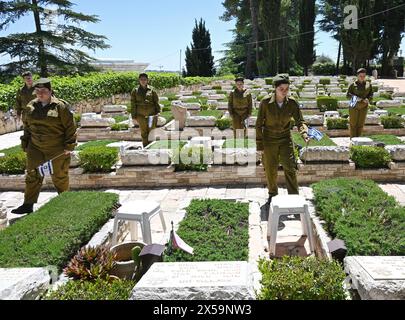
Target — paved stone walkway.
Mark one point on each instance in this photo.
(10, 140)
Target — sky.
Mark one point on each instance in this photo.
(154, 31)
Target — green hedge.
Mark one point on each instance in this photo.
(368, 157)
(14, 161)
(363, 215)
(269, 81)
(337, 123)
(97, 290)
(54, 233)
(100, 85)
(98, 159)
(223, 124)
(218, 230)
(119, 127)
(324, 81)
(295, 278)
(392, 122)
(327, 104)
(197, 159)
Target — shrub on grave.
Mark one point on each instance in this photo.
(327, 104)
(337, 123)
(223, 124)
(269, 81)
(324, 81)
(56, 231)
(119, 127)
(218, 230)
(359, 212)
(192, 158)
(93, 290)
(296, 278)
(369, 157)
(392, 122)
(13, 163)
(98, 159)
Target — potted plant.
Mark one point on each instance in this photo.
(126, 258)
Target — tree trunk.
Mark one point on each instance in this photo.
(248, 67)
(41, 46)
(254, 9)
(338, 58)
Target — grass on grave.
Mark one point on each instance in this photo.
(387, 139)
(218, 230)
(399, 111)
(11, 150)
(359, 212)
(95, 143)
(325, 142)
(53, 234)
(239, 143)
(119, 119)
(214, 113)
(168, 144)
(168, 115)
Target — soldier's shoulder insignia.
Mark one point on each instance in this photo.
(53, 113)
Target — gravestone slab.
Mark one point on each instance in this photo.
(388, 103)
(377, 278)
(196, 281)
(113, 108)
(23, 284)
(397, 152)
(362, 141)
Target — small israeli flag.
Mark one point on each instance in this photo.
(353, 102)
(315, 134)
(247, 123)
(150, 121)
(46, 169)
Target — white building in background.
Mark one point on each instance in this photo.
(120, 65)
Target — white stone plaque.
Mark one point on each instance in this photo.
(383, 268)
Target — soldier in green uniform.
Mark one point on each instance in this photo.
(273, 135)
(145, 104)
(49, 134)
(240, 106)
(25, 94)
(364, 91)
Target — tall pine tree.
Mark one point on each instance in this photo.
(199, 58)
(306, 53)
(56, 47)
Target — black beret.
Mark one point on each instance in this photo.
(239, 79)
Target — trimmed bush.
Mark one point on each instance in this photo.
(392, 122)
(324, 81)
(119, 127)
(56, 231)
(337, 123)
(223, 124)
(359, 212)
(323, 69)
(192, 159)
(368, 157)
(217, 87)
(295, 278)
(269, 81)
(97, 290)
(13, 163)
(98, 159)
(218, 230)
(327, 104)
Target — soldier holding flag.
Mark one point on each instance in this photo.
(48, 139)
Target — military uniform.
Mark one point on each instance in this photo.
(240, 108)
(24, 96)
(359, 113)
(48, 131)
(273, 136)
(145, 103)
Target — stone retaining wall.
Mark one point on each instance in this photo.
(164, 176)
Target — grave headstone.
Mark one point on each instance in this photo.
(362, 141)
(196, 281)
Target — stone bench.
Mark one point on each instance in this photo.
(325, 154)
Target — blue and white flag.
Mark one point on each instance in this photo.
(353, 101)
(247, 123)
(46, 169)
(315, 134)
(150, 121)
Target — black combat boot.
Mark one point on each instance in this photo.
(269, 200)
(24, 209)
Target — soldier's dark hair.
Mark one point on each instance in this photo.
(143, 75)
(240, 79)
(26, 74)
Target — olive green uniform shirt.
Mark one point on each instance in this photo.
(144, 102)
(273, 123)
(24, 96)
(49, 128)
(240, 103)
(362, 90)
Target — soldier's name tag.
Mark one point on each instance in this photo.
(53, 113)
